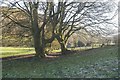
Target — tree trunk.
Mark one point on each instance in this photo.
(62, 44)
(36, 32)
(38, 48)
(63, 48)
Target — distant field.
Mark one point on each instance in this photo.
(95, 63)
(13, 51)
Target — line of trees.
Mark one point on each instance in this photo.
(47, 21)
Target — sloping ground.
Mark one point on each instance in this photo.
(96, 63)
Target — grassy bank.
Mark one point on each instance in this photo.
(96, 63)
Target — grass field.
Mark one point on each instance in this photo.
(13, 51)
(95, 63)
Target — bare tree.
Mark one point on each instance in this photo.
(62, 18)
(89, 16)
(36, 23)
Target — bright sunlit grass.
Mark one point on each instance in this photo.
(13, 51)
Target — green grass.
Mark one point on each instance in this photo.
(13, 51)
(96, 63)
